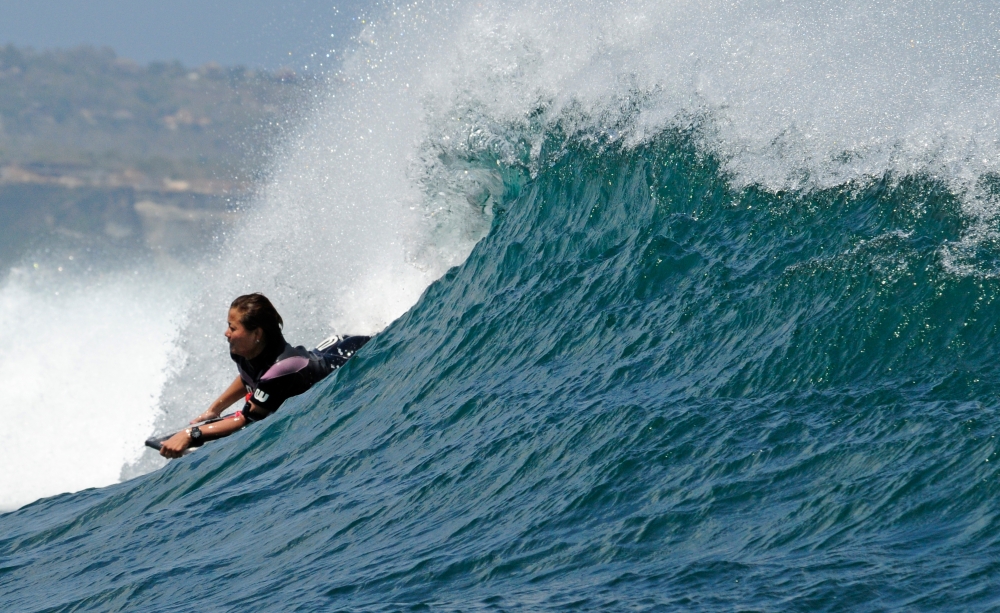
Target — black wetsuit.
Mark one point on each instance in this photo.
(282, 372)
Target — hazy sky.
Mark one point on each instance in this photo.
(249, 32)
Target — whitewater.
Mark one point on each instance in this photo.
(679, 306)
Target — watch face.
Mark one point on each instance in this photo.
(195, 433)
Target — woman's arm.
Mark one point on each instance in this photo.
(175, 446)
(234, 392)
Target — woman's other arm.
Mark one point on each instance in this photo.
(234, 392)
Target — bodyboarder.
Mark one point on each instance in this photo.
(270, 372)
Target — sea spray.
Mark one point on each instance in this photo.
(343, 238)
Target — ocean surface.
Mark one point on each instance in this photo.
(680, 307)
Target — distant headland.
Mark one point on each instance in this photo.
(96, 146)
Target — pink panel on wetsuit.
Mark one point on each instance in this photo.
(285, 367)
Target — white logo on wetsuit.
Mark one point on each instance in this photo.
(261, 396)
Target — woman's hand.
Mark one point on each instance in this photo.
(207, 415)
(176, 445)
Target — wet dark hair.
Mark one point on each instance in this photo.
(256, 311)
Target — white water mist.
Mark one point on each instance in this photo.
(82, 361)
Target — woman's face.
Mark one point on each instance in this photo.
(243, 342)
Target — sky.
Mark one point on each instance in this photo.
(253, 33)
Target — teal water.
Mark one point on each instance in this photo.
(645, 389)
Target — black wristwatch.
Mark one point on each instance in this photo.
(195, 434)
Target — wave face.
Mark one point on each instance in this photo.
(704, 358)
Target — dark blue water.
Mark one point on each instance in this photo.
(644, 390)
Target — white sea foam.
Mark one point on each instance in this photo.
(82, 362)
